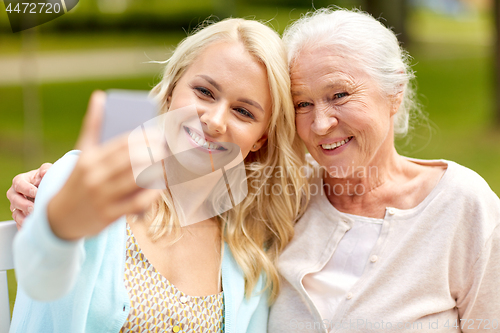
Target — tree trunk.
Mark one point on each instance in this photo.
(497, 62)
(33, 129)
(393, 14)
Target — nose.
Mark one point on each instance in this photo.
(324, 121)
(213, 117)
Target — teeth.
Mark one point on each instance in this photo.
(202, 142)
(336, 144)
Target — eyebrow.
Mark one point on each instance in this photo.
(211, 81)
(251, 102)
(334, 84)
(217, 86)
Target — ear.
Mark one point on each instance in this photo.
(257, 145)
(396, 101)
(169, 100)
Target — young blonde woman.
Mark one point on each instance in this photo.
(86, 262)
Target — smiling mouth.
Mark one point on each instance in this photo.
(200, 141)
(336, 145)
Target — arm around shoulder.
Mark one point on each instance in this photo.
(46, 266)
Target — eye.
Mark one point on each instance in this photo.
(244, 113)
(340, 95)
(302, 105)
(204, 91)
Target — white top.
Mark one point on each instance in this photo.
(436, 263)
(346, 265)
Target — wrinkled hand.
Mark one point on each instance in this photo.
(100, 189)
(22, 193)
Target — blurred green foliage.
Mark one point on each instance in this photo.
(92, 15)
(162, 15)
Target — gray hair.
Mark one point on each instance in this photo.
(366, 40)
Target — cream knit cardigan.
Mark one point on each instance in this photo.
(436, 267)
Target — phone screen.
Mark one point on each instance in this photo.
(125, 110)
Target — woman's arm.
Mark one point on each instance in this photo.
(480, 308)
(80, 195)
(46, 267)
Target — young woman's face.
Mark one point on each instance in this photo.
(230, 92)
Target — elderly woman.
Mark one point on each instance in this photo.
(387, 242)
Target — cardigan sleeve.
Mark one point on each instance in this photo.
(46, 266)
(482, 301)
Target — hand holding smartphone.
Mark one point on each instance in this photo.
(101, 187)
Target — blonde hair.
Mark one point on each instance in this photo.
(259, 228)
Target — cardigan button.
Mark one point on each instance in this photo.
(391, 211)
(349, 295)
(373, 258)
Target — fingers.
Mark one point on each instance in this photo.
(111, 171)
(23, 191)
(19, 201)
(19, 217)
(23, 184)
(92, 122)
(93, 195)
(41, 173)
(106, 169)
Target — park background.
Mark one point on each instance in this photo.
(47, 73)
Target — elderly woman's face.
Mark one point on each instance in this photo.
(341, 115)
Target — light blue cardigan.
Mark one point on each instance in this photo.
(78, 286)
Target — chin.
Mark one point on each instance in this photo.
(194, 164)
(337, 166)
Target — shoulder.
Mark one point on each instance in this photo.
(467, 185)
(464, 200)
(460, 184)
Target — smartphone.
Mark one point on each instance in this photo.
(125, 110)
